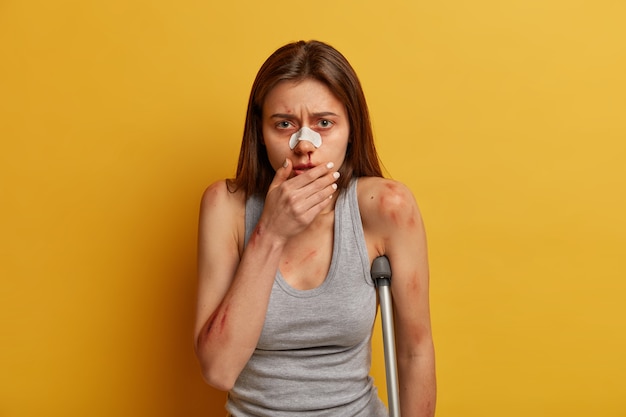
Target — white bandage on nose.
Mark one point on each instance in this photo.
(305, 134)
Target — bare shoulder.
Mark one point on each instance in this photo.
(218, 192)
(222, 211)
(386, 203)
(218, 198)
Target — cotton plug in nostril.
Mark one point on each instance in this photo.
(305, 134)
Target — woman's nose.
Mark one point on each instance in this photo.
(304, 147)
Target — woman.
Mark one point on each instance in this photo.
(285, 301)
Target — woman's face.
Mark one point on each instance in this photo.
(309, 103)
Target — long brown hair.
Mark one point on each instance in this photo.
(295, 62)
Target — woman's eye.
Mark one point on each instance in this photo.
(325, 123)
(284, 124)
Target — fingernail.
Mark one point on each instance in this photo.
(330, 165)
(285, 164)
(336, 175)
(334, 186)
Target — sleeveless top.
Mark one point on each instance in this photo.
(314, 354)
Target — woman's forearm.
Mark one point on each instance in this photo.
(417, 385)
(229, 336)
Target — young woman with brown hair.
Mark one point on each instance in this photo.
(286, 304)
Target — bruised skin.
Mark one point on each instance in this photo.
(388, 210)
(220, 314)
(286, 265)
(216, 322)
(306, 258)
(392, 204)
(393, 227)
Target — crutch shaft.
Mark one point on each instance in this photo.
(381, 272)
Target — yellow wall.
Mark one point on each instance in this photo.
(506, 118)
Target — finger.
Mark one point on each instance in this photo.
(282, 174)
(318, 202)
(322, 197)
(314, 175)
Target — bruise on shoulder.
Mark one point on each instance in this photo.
(395, 203)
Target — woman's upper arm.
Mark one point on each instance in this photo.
(218, 248)
(394, 220)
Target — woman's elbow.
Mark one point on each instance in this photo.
(220, 379)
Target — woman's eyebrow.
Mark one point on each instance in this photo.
(292, 116)
(325, 114)
(283, 116)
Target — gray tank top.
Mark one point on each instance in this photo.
(314, 354)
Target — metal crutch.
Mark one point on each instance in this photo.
(381, 274)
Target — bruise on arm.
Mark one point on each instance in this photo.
(395, 210)
(215, 324)
(396, 204)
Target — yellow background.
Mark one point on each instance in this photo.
(506, 119)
